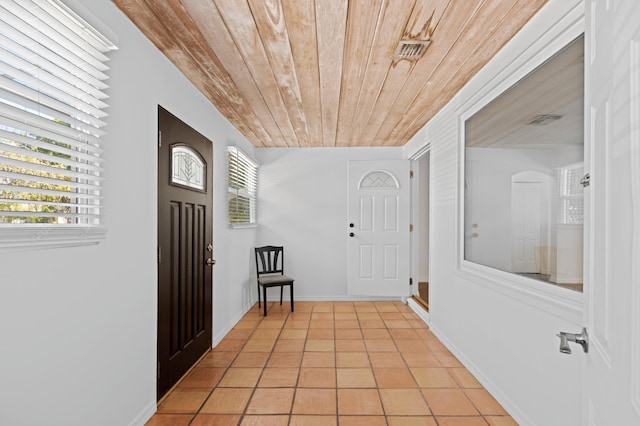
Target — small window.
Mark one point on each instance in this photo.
(52, 105)
(243, 186)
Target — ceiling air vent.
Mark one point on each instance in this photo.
(411, 49)
(544, 119)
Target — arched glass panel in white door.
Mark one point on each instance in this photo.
(378, 179)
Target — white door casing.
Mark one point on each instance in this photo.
(378, 220)
(612, 213)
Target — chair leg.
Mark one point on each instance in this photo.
(258, 295)
(281, 287)
(291, 292)
(264, 294)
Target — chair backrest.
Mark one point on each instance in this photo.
(270, 260)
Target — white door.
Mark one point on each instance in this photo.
(612, 243)
(378, 228)
(526, 199)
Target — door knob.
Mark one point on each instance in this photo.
(211, 261)
(582, 339)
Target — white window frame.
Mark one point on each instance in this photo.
(52, 101)
(566, 304)
(239, 161)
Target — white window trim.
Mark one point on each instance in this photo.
(43, 237)
(254, 196)
(29, 236)
(564, 303)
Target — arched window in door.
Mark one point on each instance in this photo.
(378, 179)
(187, 168)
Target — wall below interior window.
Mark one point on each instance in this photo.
(504, 334)
(302, 205)
(78, 325)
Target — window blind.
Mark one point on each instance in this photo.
(243, 185)
(52, 101)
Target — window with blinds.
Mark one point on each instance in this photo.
(243, 185)
(52, 102)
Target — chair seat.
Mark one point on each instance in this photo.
(274, 280)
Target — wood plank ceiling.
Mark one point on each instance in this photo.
(322, 73)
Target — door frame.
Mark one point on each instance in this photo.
(417, 189)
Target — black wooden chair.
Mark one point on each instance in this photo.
(270, 272)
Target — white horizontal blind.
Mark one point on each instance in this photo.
(52, 101)
(243, 185)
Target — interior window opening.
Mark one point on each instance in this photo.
(524, 164)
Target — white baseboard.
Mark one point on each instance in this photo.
(144, 415)
(514, 411)
(227, 328)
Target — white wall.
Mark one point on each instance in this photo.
(78, 325)
(501, 327)
(302, 198)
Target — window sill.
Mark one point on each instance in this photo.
(242, 225)
(564, 303)
(28, 237)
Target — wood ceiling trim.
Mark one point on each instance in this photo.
(512, 21)
(300, 18)
(331, 18)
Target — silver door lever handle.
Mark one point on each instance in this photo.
(582, 339)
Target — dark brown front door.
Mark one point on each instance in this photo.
(184, 246)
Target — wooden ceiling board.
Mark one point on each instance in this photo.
(269, 19)
(471, 41)
(297, 73)
(242, 27)
(164, 39)
(425, 16)
(300, 18)
(411, 85)
(362, 23)
(331, 18)
(511, 22)
(392, 22)
(207, 18)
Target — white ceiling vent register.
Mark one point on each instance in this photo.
(411, 49)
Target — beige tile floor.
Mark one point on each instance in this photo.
(330, 363)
